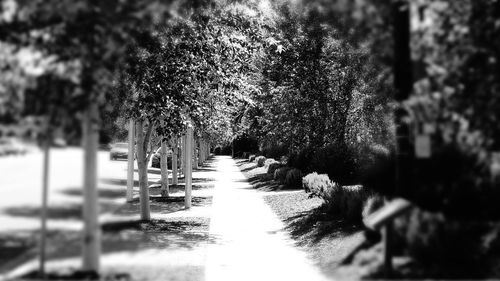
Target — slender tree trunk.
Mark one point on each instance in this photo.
(131, 156)
(188, 165)
(91, 229)
(200, 152)
(175, 150)
(164, 169)
(183, 155)
(45, 191)
(143, 172)
(195, 153)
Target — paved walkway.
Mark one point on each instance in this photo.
(250, 242)
(245, 240)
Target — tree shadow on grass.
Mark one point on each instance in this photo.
(67, 212)
(121, 182)
(316, 224)
(265, 182)
(162, 205)
(107, 193)
(196, 180)
(205, 169)
(180, 188)
(125, 237)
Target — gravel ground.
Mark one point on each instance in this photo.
(327, 240)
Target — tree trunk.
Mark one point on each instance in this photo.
(183, 155)
(195, 154)
(143, 172)
(91, 229)
(175, 150)
(45, 191)
(130, 159)
(200, 152)
(164, 169)
(188, 145)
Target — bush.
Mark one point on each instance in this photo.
(346, 201)
(269, 161)
(260, 161)
(336, 161)
(273, 167)
(274, 151)
(251, 158)
(316, 184)
(301, 160)
(280, 174)
(372, 204)
(293, 178)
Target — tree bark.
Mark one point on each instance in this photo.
(195, 153)
(175, 150)
(143, 171)
(164, 169)
(91, 230)
(188, 165)
(45, 191)
(183, 155)
(130, 159)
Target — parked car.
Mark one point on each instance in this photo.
(119, 150)
(155, 161)
(12, 145)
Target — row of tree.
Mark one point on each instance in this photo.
(168, 66)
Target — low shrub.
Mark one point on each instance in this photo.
(251, 158)
(280, 174)
(301, 159)
(316, 184)
(346, 201)
(336, 161)
(261, 160)
(269, 161)
(293, 178)
(274, 151)
(273, 167)
(352, 200)
(245, 155)
(372, 204)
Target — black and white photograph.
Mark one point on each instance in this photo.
(249, 140)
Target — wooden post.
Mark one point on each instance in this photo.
(45, 191)
(164, 169)
(91, 229)
(188, 164)
(175, 150)
(143, 173)
(131, 159)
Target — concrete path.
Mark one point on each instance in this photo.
(251, 244)
(245, 240)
